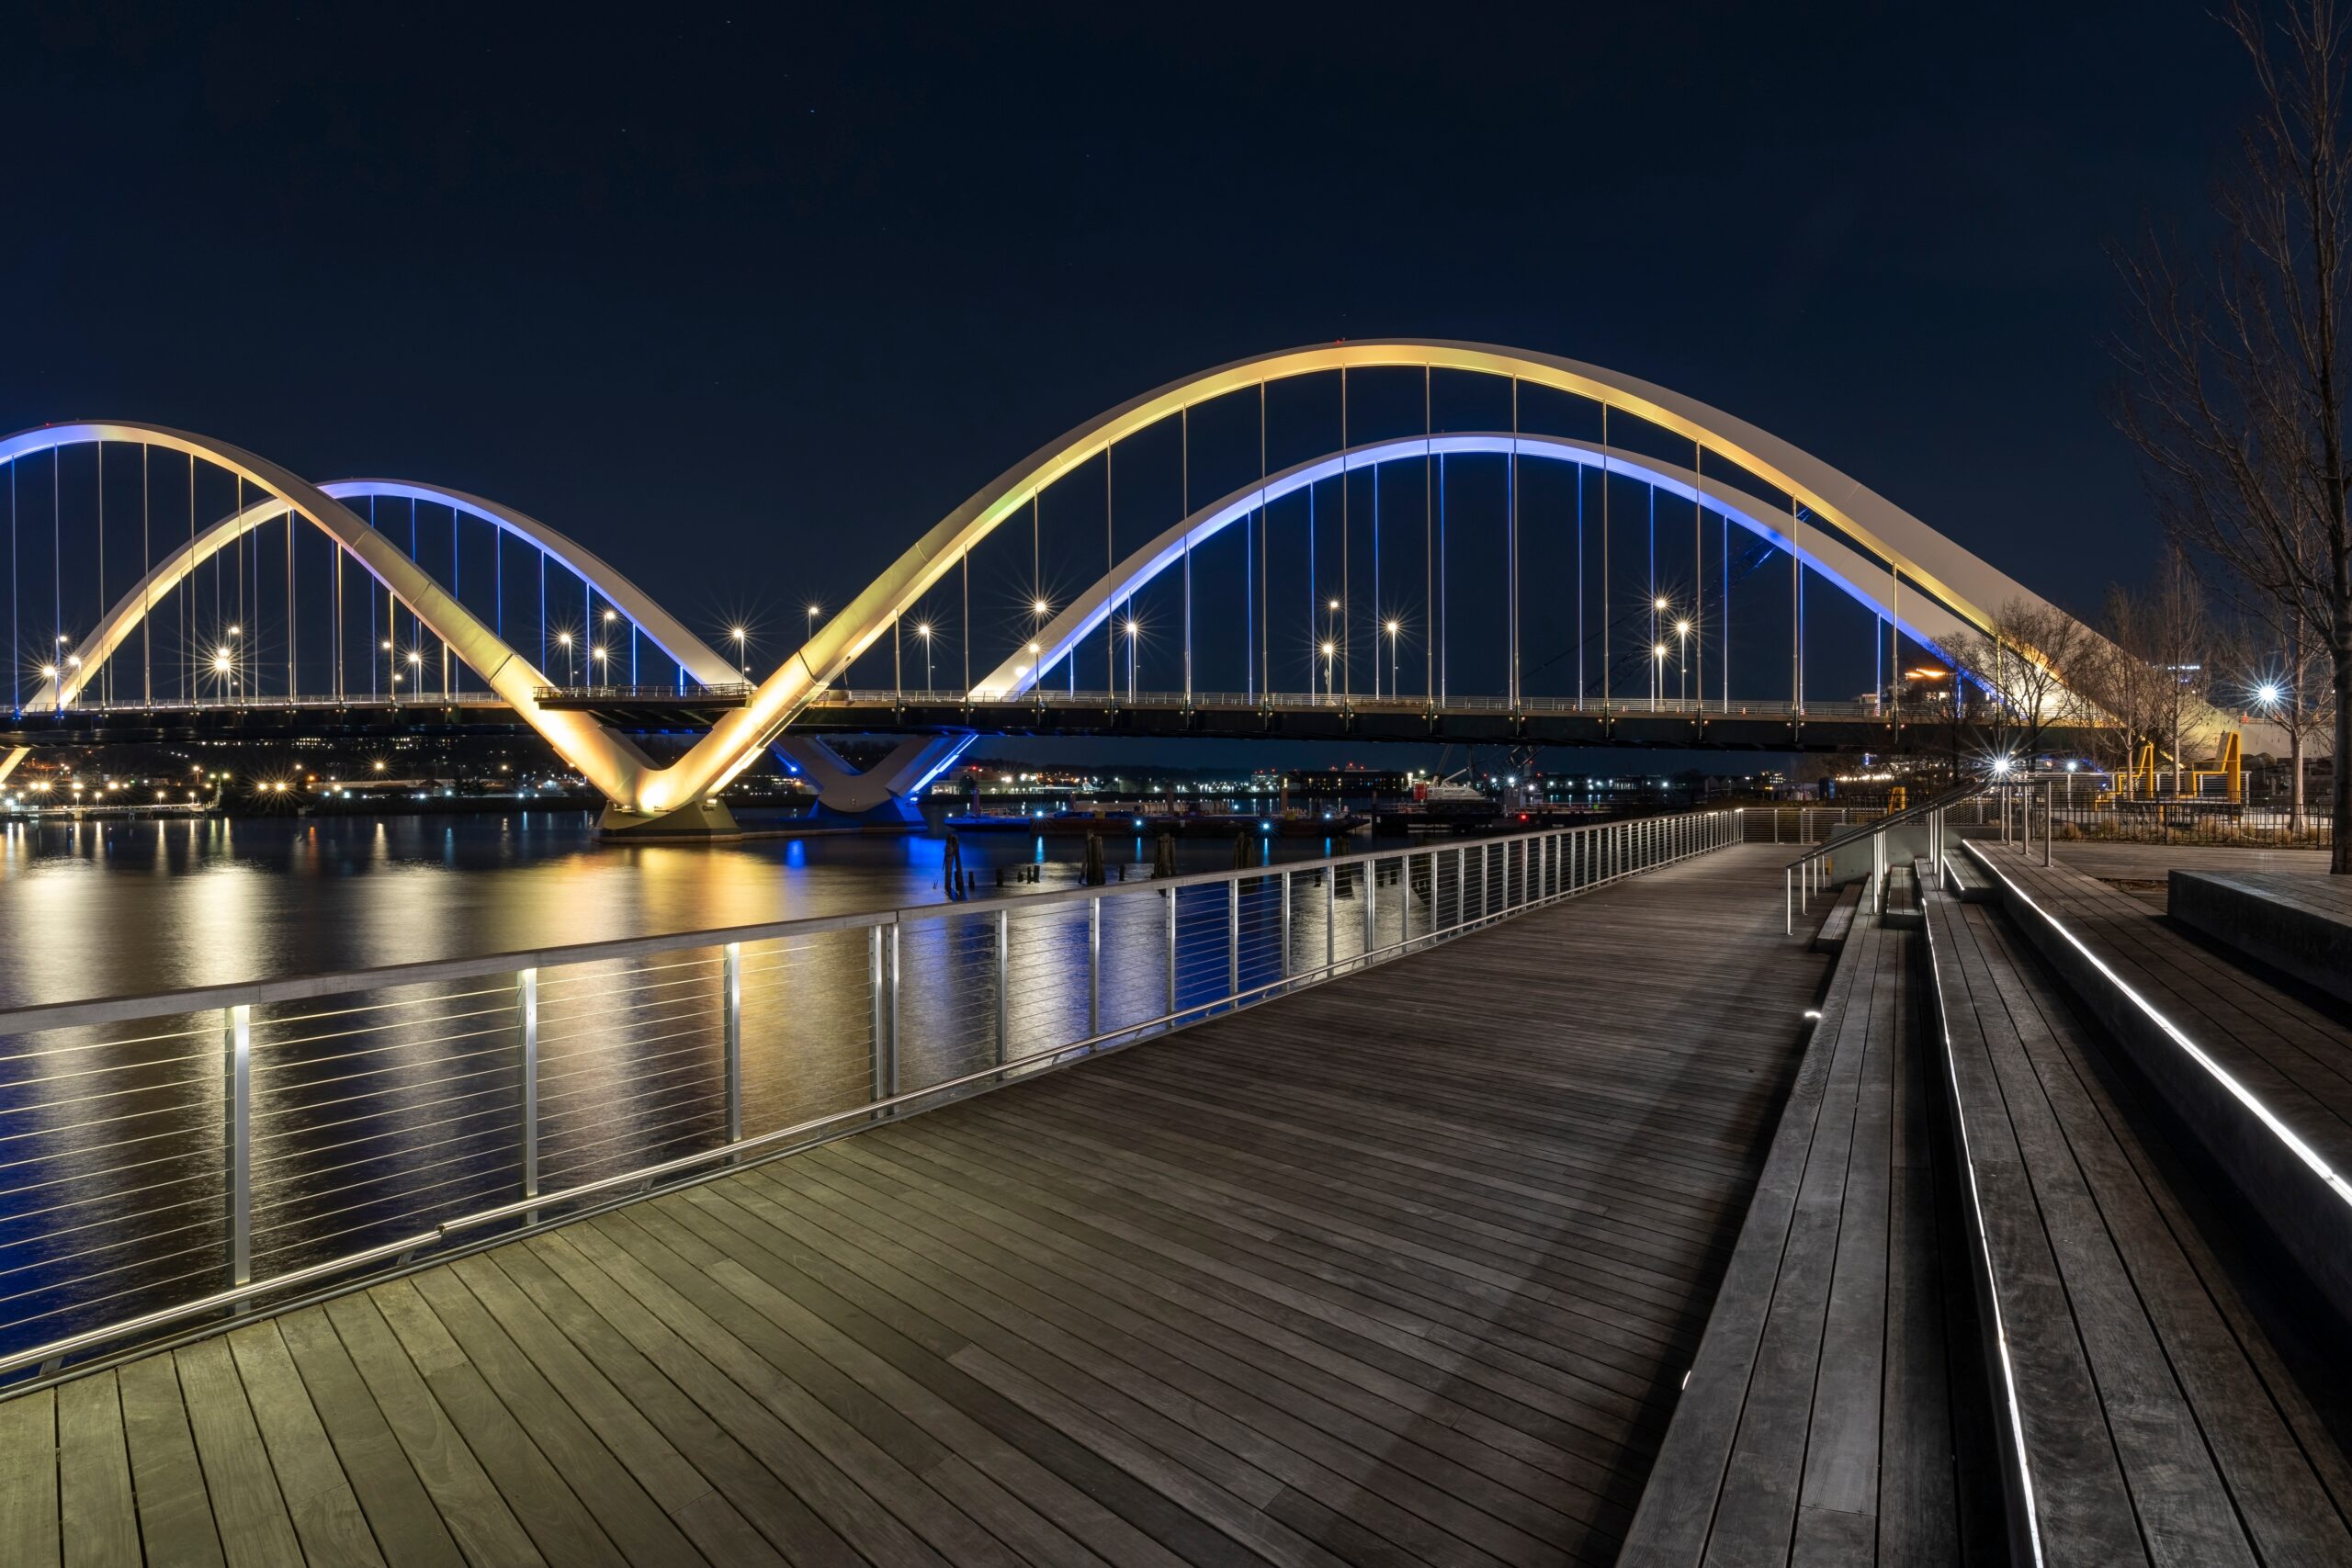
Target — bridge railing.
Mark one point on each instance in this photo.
(1051, 697)
(166, 1160)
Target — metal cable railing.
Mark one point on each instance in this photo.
(168, 1158)
(1813, 867)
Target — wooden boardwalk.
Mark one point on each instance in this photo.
(1407, 1268)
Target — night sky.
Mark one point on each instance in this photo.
(746, 303)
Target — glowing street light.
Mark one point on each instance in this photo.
(740, 636)
(1395, 627)
(1135, 631)
(1657, 672)
(1682, 660)
(814, 610)
(922, 630)
(564, 640)
(1329, 648)
(2268, 695)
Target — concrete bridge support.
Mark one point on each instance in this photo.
(884, 795)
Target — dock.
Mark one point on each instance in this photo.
(1407, 1268)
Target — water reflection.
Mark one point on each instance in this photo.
(102, 909)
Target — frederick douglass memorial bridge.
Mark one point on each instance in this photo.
(1378, 539)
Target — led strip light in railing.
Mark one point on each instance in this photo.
(2311, 1157)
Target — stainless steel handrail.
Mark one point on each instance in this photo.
(1515, 873)
(1797, 877)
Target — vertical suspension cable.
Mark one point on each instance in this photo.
(1429, 544)
(106, 673)
(187, 594)
(1110, 545)
(1347, 608)
(1184, 510)
(338, 623)
(1443, 682)
(1724, 549)
(146, 642)
(16, 627)
(1512, 552)
(1314, 608)
(292, 626)
(1376, 617)
(1796, 613)
(1252, 651)
(1606, 681)
(1580, 587)
(56, 571)
(455, 574)
(965, 626)
(1698, 571)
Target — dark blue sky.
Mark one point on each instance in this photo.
(746, 303)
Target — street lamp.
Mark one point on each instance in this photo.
(922, 630)
(596, 657)
(742, 651)
(814, 610)
(1135, 630)
(564, 640)
(1682, 661)
(1395, 626)
(1657, 672)
(1329, 648)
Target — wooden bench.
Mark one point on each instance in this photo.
(1838, 922)
(1965, 879)
(2260, 1079)
(2147, 1417)
(2298, 922)
(1818, 1419)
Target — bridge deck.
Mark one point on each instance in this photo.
(1406, 1268)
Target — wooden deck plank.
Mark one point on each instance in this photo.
(28, 1481)
(1402, 1269)
(2279, 1486)
(246, 1506)
(175, 1512)
(97, 1510)
(320, 1501)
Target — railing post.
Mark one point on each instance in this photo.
(1371, 927)
(237, 1126)
(1171, 895)
(526, 1024)
(1233, 939)
(1461, 885)
(881, 965)
(731, 992)
(1284, 943)
(1003, 985)
(1094, 966)
(1330, 919)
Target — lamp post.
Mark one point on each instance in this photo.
(1330, 645)
(1657, 672)
(597, 663)
(741, 638)
(1135, 630)
(1395, 626)
(569, 669)
(922, 630)
(1682, 662)
(416, 669)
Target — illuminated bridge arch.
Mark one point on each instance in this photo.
(696, 658)
(1924, 621)
(1886, 558)
(606, 758)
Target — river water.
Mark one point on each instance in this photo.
(382, 1111)
(118, 907)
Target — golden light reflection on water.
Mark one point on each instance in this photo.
(113, 908)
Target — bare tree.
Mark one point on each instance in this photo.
(2236, 386)
(2028, 664)
(2148, 675)
(2285, 683)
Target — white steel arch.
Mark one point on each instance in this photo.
(701, 661)
(607, 760)
(1924, 621)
